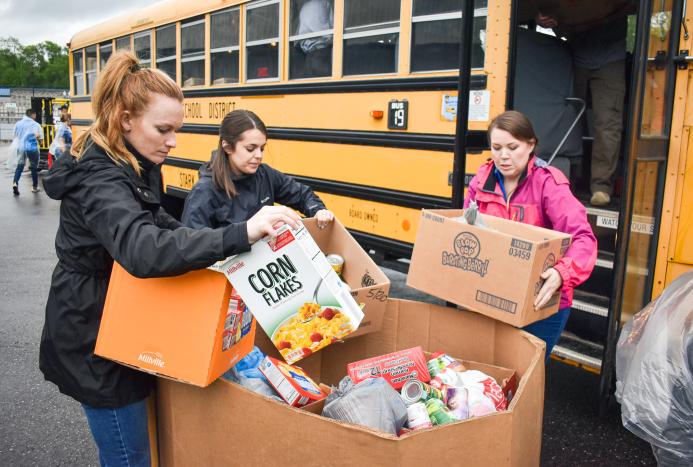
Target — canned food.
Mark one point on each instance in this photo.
(337, 263)
(438, 412)
(415, 391)
(417, 417)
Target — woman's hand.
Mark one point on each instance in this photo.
(324, 217)
(268, 219)
(552, 282)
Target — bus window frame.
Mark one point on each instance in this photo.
(90, 71)
(278, 39)
(442, 17)
(196, 56)
(143, 63)
(309, 35)
(101, 46)
(80, 54)
(231, 48)
(167, 58)
(370, 30)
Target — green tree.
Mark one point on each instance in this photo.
(41, 65)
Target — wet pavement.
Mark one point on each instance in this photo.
(42, 427)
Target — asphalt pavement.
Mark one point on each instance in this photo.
(41, 427)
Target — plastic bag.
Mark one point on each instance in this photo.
(654, 371)
(14, 156)
(372, 403)
(472, 216)
(247, 374)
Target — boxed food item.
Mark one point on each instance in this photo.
(184, 327)
(494, 271)
(291, 382)
(293, 292)
(194, 424)
(396, 368)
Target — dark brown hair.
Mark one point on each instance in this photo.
(515, 123)
(232, 127)
(122, 86)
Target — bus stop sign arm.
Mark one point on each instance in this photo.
(463, 86)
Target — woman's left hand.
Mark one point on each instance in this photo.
(324, 217)
(552, 282)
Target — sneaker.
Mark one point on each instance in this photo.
(35, 189)
(15, 189)
(600, 198)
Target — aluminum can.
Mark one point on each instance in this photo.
(438, 413)
(415, 391)
(417, 416)
(337, 263)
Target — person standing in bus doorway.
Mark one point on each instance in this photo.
(235, 184)
(519, 186)
(28, 132)
(599, 61)
(110, 212)
(315, 16)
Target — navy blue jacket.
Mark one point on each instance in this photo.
(208, 205)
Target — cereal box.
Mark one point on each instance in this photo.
(291, 382)
(397, 368)
(293, 292)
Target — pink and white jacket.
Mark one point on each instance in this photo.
(542, 198)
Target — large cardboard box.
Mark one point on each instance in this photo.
(225, 424)
(171, 326)
(369, 285)
(493, 271)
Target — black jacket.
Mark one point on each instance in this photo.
(109, 212)
(208, 206)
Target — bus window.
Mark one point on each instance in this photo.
(91, 67)
(192, 40)
(262, 40)
(371, 36)
(310, 51)
(78, 68)
(143, 48)
(166, 50)
(105, 51)
(123, 43)
(225, 32)
(435, 43)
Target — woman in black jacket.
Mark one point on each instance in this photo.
(235, 184)
(110, 211)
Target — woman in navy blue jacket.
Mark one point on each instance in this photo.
(235, 184)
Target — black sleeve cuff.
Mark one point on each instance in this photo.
(235, 239)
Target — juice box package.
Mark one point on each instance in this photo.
(294, 293)
(397, 368)
(291, 382)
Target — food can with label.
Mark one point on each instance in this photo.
(417, 416)
(337, 263)
(415, 391)
(438, 412)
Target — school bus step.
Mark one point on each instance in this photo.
(601, 280)
(579, 352)
(588, 316)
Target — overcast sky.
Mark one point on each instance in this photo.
(34, 21)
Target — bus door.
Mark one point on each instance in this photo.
(646, 147)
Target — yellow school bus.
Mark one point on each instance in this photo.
(361, 102)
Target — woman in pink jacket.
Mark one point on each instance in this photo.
(517, 185)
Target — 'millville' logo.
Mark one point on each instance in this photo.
(152, 358)
(466, 255)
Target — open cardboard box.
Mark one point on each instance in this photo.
(369, 285)
(170, 326)
(494, 271)
(225, 424)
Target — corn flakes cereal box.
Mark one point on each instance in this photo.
(294, 293)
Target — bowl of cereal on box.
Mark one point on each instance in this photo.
(313, 327)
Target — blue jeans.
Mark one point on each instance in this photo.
(33, 157)
(549, 329)
(121, 434)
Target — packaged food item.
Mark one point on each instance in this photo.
(440, 361)
(237, 323)
(438, 412)
(397, 368)
(291, 382)
(247, 373)
(337, 263)
(293, 292)
(417, 416)
(415, 391)
(456, 400)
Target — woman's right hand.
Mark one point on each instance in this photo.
(267, 219)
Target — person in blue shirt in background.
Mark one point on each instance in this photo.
(27, 132)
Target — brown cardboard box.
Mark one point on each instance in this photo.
(226, 424)
(493, 271)
(369, 285)
(171, 326)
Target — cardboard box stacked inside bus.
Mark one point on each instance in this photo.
(494, 271)
(194, 424)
